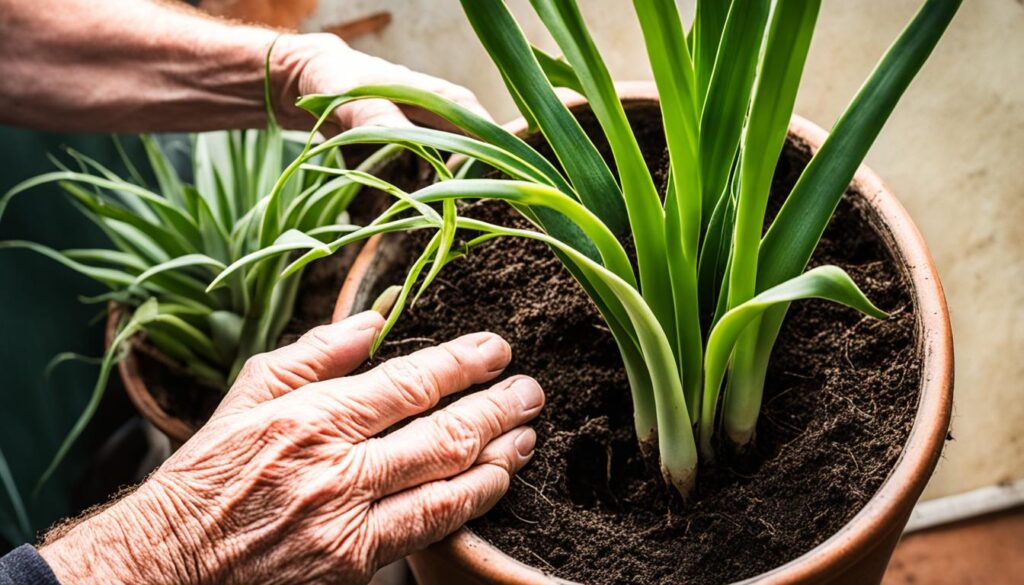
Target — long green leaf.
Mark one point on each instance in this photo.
(178, 263)
(708, 25)
(20, 512)
(511, 52)
(728, 94)
(675, 436)
(674, 77)
(794, 234)
(558, 71)
(142, 315)
(778, 77)
(825, 282)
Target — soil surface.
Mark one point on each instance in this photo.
(839, 403)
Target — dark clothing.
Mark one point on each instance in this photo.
(24, 566)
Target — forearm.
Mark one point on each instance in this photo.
(133, 66)
(144, 538)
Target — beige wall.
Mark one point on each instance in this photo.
(953, 151)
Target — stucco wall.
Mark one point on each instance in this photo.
(953, 152)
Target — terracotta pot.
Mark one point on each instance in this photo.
(860, 551)
(177, 430)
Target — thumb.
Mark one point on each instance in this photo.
(325, 352)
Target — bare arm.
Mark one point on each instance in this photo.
(148, 65)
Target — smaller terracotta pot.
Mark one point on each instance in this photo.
(177, 430)
(859, 552)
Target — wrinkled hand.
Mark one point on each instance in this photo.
(292, 480)
(324, 64)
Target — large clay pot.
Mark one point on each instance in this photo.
(860, 551)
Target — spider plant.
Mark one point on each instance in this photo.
(171, 234)
(700, 308)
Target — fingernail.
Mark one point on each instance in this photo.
(365, 321)
(525, 441)
(529, 393)
(495, 352)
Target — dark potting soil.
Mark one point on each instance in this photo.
(839, 404)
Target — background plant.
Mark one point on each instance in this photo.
(704, 304)
(171, 234)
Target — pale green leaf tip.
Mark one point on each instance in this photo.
(386, 300)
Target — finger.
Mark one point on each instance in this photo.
(325, 352)
(450, 440)
(371, 112)
(408, 385)
(411, 520)
(453, 92)
(446, 89)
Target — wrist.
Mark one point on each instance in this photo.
(149, 537)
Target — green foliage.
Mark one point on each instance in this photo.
(708, 296)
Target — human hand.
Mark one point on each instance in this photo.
(292, 481)
(324, 64)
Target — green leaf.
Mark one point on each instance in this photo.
(410, 281)
(167, 179)
(558, 71)
(708, 26)
(825, 282)
(447, 237)
(674, 77)
(463, 118)
(778, 77)
(68, 356)
(675, 436)
(775, 87)
(534, 195)
(400, 225)
(20, 512)
(177, 263)
(133, 203)
(166, 241)
(142, 315)
(511, 52)
(173, 216)
(794, 234)
(287, 242)
(107, 276)
(728, 94)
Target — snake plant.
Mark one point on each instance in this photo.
(696, 316)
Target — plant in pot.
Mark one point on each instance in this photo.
(172, 231)
(690, 274)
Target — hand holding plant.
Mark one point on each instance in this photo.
(291, 478)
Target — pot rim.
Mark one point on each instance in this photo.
(138, 392)
(921, 451)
